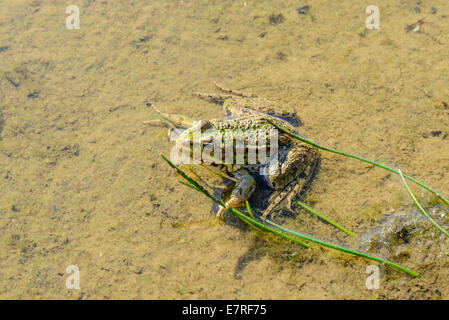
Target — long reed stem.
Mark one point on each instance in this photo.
(420, 207)
(336, 225)
(343, 249)
(358, 158)
(274, 228)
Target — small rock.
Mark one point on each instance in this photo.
(433, 10)
(146, 38)
(14, 207)
(2, 122)
(435, 133)
(281, 56)
(71, 150)
(303, 10)
(138, 270)
(276, 18)
(33, 94)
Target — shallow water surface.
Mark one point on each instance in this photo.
(82, 182)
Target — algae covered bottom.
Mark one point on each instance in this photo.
(82, 182)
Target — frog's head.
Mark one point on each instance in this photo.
(191, 143)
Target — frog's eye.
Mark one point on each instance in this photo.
(206, 141)
(207, 144)
(205, 125)
(202, 125)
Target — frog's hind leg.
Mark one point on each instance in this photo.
(215, 98)
(219, 98)
(240, 192)
(233, 92)
(290, 192)
(309, 163)
(302, 182)
(288, 195)
(259, 107)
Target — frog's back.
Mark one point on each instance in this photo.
(251, 124)
(248, 142)
(259, 107)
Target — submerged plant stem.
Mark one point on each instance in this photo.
(446, 201)
(343, 249)
(420, 207)
(274, 228)
(196, 186)
(336, 225)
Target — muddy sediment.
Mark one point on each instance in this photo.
(82, 182)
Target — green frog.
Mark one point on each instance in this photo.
(286, 171)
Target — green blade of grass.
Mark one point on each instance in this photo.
(193, 184)
(325, 219)
(446, 201)
(262, 226)
(274, 228)
(420, 207)
(247, 205)
(250, 212)
(346, 250)
(250, 224)
(189, 185)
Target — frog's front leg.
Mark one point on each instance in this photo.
(240, 191)
(289, 175)
(220, 98)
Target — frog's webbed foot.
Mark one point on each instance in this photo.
(219, 98)
(305, 163)
(287, 194)
(213, 98)
(240, 191)
(233, 92)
